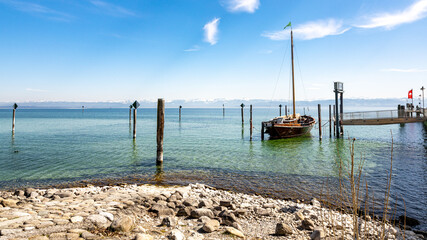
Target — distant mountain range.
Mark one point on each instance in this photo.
(390, 103)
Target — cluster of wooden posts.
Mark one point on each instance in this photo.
(160, 125)
(337, 127)
(161, 122)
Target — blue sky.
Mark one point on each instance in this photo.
(99, 50)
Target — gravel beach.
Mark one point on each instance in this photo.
(177, 212)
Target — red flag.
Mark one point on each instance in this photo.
(410, 94)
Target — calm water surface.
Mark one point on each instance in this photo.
(60, 146)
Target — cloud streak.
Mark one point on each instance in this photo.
(113, 10)
(35, 90)
(195, 48)
(249, 6)
(310, 30)
(410, 70)
(414, 12)
(211, 31)
(37, 9)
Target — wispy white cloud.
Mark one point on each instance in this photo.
(113, 10)
(249, 6)
(265, 52)
(211, 31)
(193, 49)
(410, 70)
(310, 30)
(414, 12)
(38, 9)
(35, 90)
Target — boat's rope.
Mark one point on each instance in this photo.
(277, 80)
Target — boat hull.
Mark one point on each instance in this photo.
(277, 132)
(290, 129)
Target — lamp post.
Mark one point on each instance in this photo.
(422, 89)
(338, 89)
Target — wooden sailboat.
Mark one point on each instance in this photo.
(292, 125)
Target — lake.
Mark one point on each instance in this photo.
(62, 146)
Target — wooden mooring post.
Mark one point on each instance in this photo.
(320, 121)
(250, 122)
(330, 118)
(135, 105)
(242, 106)
(333, 110)
(180, 107)
(15, 106)
(262, 131)
(134, 123)
(130, 114)
(223, 110)
(160, 129)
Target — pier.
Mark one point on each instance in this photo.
(383, 117)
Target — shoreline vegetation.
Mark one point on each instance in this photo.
(195, 211)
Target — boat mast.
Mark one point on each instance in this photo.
(293, 81)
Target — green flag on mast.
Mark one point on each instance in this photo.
(289, 25)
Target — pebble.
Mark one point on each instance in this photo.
(235, 232)
(283, 229)
(176, 235)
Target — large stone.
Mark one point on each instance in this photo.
(123, 224)
(168, 221)
(228, 217)
(99, 221)
(162, 210)
(235, 232)
(299, 215)
(202, 212)
(19, 193)
(9, 202)
(210, 226)
(39, 238)
(307, 224)
(61, 221)
(205, 204)
(263, 212)
(176, 235)
(283, 229)
(89, 236)
(143, 236)
(190, 202)
(185, 212)
(315, 203)
(165, 212)
(18, 220)
(76, 219)
(28, 191)
(108, 215)
(317, 234)
(64, 194)
(225, 203)
(5, 232)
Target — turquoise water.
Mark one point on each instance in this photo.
(59, 146)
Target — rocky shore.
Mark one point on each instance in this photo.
(191, 212)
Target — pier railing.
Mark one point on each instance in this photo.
(382, 114)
